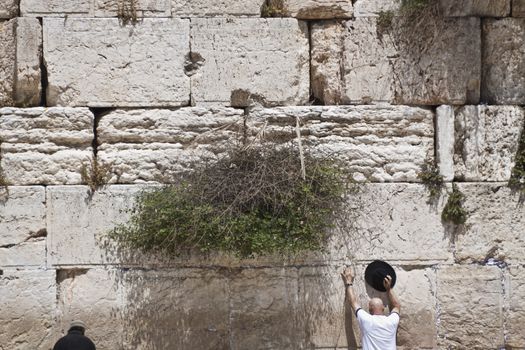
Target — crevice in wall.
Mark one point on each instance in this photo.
(483, 99)
(43, 69)
(98, 113)
(64, 274)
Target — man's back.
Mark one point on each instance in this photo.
(378, 331)
(74, 340)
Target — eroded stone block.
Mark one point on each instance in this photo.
(207, 8)
(315, 9)
(445, 137)
(515, 315)
(486, 141)
(368, 8)
(27, 309)
(477, 8)
(518, 8)
(264, 305)
(86, 65)
(495, 224)
(377, 143)
(503, 64)
(7, 61)
(154, 145)
(22, 226)
(377, 65)
(473, 296)
(142, 8)
(54, 7)
(269, 58)
(45, 145)
(8, 8)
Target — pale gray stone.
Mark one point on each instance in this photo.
(470, 295)
(154, 145)
(503, 64)
(486, 141)
(45, 145)
(47, 8)
(27, 309)
(370, 66)
(494, 227)
(515, 314)
(376, 143)
(7, 61)
(477, 8)
(8, 8)
(267, 57)
(143, 8)
(22, 226)
(219, 8)
(368, 8)
(86, 65)
(445, 141)
(518, 8)
(316, 9)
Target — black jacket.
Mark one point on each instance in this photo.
(74, 340)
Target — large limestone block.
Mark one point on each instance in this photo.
(45, 145)
(99, 63)
(518, 8)
(22, 227)
(176, 309)
(394, 222)
(315, 9)
(470, 300)
(207, 8)
(367, 8)
(515, 315)
(154, 145)
(8, 8)
(495, 225)
(377, 143)
(20, 52)
(95, 297)
(95, 8)
(27, 309)
(478, 8)
(486, 141)
(445, 141)
(143, 8)
(78, 238)
(264, 310)
(387, 67)
(503, 64)
(46, 8)
(269, 58)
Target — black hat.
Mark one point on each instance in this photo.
(376, 272)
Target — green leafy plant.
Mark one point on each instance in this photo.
(274, 8)
(94, 174)
(431, 179)
(253, 201)
(453, 211)
(517, 177)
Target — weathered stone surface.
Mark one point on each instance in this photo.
(206, 8)
(367, 8)
(478, 8)
(503, 64)
(8, 8)
(76, 238)
(378, 143)
(27, 309)
(315, 9)
(54, 7)
(518, 8)
(445, 137)
(45, 145)
(267, 57)
(389, 218)
(153, 145)
(7, 61)
(515, 315)
(22, 226)
(28, 55)
(473, 296)
(177, 309)
(143, 8)
(486, 141)
(264, 305)
(495, 225)
(86, 65)
(387, 67)
(93, 296)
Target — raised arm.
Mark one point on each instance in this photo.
(392, 299)
(348, 278)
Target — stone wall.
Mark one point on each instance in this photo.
(82, 80)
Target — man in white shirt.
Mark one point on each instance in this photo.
(378, 332)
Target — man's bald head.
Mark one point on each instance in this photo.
(376, 307)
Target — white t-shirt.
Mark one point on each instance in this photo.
(378, 332)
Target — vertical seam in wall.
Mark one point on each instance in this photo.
(43, 68)
(482, 93)
(310, 77)
(191, 102)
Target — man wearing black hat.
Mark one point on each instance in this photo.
(75, 338)
(378, 332)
